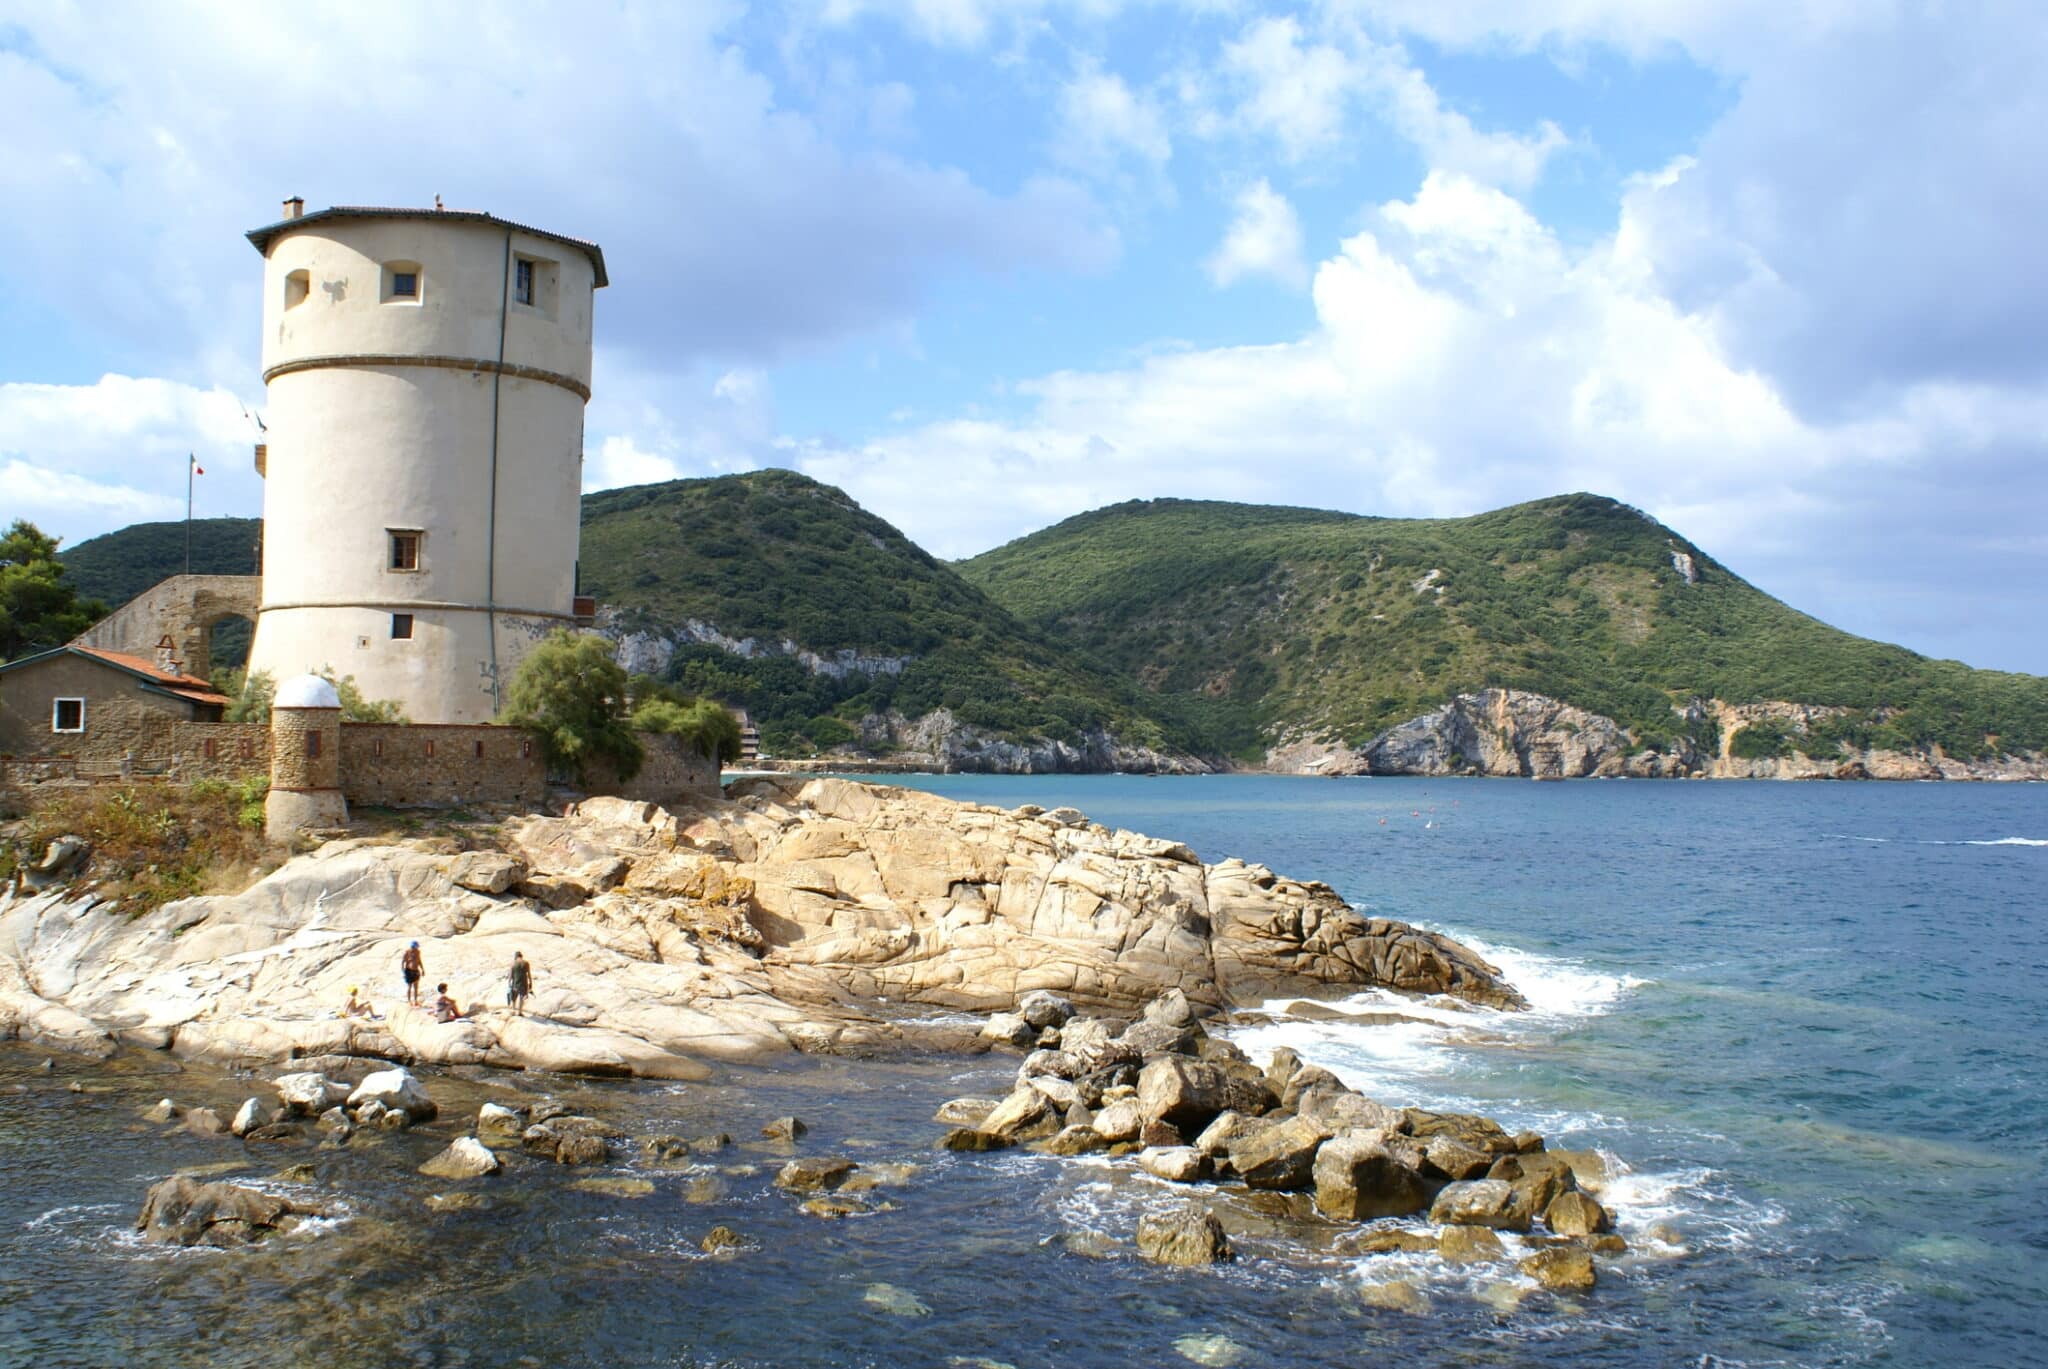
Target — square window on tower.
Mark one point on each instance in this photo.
(522, 281)
(405, 549)
(401, 627)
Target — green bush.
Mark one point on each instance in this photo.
(572, 696)
(708, 727)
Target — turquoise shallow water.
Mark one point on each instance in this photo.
(1808, 1021)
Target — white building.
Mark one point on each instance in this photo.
(427, 373)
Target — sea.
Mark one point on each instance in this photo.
(1805, 1024)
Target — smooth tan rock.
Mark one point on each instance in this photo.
(1561, 1268)
(739, 930)
(1575, 1214)
(1176, 1164)
(1481, 1202)
(814, 1174)
(465, 1158)
(1186, 1235)
(1280, 1157)
(1357, 1178)
(1470, 1245)
(1395, 1295)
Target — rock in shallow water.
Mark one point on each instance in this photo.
(814, 1174)
(897, 1302)
(1561, 1268)
(465, 1158)
(184, 1211)
(1357, 1179)
(396, 1091)
(1186, 1235)
(1481, 1202)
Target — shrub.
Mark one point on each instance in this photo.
(573, 696)
(1765, 739)
(707, 726)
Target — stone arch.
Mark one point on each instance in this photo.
(184, 608)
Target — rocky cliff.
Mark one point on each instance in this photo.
(941, 742)
(794, 915)
(1511, 733)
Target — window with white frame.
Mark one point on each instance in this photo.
(67, 715)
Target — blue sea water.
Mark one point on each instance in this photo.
(1813, 1019)
(1808, 1024)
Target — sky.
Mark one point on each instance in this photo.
(1774, 271)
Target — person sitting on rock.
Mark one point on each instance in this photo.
(518, 983)
(356, 1007)
(445, 1008)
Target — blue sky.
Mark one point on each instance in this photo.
(1771, 271)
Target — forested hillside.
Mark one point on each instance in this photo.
(1349, 625)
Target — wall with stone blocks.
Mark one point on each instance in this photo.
(408, 765)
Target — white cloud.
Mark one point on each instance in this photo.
(1264, 239)
(81, 459)
(140, 152)
(1465, 358)
(1103, 124)
(1302, 90)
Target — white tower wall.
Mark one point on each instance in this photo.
(392, 414)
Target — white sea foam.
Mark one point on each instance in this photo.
(1412, 1059)
(2000, 841)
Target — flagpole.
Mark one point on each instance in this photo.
(190, 462)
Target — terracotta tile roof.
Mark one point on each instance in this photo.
(188, 686)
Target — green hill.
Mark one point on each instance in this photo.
(117, 566)
(775, 557)
(1343, 626)
(778, 558)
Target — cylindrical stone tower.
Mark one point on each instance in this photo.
(427, 371)
(305, 760)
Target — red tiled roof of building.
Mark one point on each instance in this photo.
(190, 686)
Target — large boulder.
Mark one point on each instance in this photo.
(1189, 1234)
(310, 1094)
(1491, 1203)
(183, 1211)
(395, 1090)
(1177, 1164)
(465, 1158)
(1340, 1109)
(1454, 1160)
(1358, 1179)
(1561, 1268)
(1538, 1178)
(1575, 1214)
(1467, 1129)
(1025, 1115)
(1190, 1094)
(253, 1115)
(1120, 1121)
(1041, 1009)
(1281, 1157)
(814, 1174)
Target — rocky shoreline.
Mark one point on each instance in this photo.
(1495, 734)
(823, 916)
(807, 915)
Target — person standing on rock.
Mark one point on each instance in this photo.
(518, 983)
(414, 969)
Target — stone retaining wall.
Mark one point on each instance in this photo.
(397, 765)
(416, 765)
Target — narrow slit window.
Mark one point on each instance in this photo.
(479, 750)
(522, 281)
(401, 627)
(207, 747)
(313, 746)
(67, 715)
(377, 747)
(405, 555)
(430, 746)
